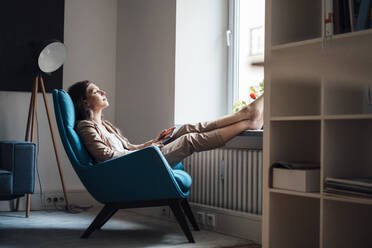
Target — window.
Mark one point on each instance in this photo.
(245, 39)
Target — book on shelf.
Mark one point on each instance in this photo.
(368, 100)
(360, 181)
(364, 15)
(342, 21)
(295, 165)
(351, 186)
(348, 16)
(347, 193)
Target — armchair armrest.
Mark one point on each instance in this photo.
(18, 157)
(140, 175)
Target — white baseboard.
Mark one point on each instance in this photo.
(234, 223)
(80, 198)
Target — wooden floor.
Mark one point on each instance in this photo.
(125, 229)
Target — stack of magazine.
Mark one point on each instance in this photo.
(350, 186)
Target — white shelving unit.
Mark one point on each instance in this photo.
(315, 111)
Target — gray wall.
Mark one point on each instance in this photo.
(145, 67)
(201, 60)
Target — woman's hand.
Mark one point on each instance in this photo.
(163, 135)
(158, 144)
(158, 141)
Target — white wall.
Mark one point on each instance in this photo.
(201, 60)
(128, 48)
(145, 67)
(90, 36)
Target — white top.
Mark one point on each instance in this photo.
(114, 141)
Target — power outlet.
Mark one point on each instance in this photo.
(210, 220)
(54, 200)
(200, 218)
(165, 212)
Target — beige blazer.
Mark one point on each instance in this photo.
(97, 144)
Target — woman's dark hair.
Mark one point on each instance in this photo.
(78, 93)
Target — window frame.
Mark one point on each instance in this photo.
(232, 37)
(233, 44)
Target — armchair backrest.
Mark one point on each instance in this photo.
(65, 116)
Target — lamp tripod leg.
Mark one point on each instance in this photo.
(34, 107)
(30, 112)
(54, 143)
(30, 127)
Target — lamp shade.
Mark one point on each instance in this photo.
(52, 56)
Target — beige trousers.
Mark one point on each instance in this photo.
(189, 139)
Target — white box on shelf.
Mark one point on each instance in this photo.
(304, 180)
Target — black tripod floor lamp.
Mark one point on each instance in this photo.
(51, 57)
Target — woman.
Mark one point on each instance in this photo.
(104, 141)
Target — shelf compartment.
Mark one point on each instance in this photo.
(286, 62)
(295, 141)
(295, 96)
(295, 20)
(295, 193)
(347, 98)
(347, 148)
(294, 221)
(346, 225)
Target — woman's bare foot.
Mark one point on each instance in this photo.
(253, 124)
(253, 111)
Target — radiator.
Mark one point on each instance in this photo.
(227, 178)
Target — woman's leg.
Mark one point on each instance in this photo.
(229, 132)
(253, 112)
(189, 143)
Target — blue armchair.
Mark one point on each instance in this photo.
(17, 171)
(140, 179)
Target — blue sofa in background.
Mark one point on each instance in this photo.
(17, 171)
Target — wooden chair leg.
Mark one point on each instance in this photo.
(189, 214)
(28, 205)
(177, 211)
(101, 218)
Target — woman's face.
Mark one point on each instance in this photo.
(96, 98)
